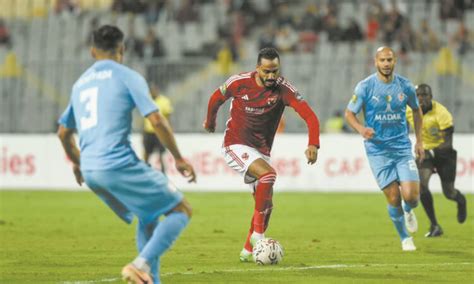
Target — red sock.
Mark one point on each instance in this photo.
(248, 245)
(263, 201)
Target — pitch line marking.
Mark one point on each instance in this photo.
(290, 268)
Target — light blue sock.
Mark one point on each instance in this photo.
(163, 237)
(396, 214)
(144, 233)
(408, 206)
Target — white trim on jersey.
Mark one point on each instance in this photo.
(287, 84)
(237, 77)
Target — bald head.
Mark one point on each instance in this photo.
(385, 50)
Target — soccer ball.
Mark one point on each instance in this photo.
(267, 251)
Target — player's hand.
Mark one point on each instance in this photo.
(209, 128)
(311, 154)
(419, 151)
(186, 170)
(77, 173)
(367, 133)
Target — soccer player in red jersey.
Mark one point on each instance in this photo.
(258, 101)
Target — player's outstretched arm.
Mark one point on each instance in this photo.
(215, 102)
(418, 122)
(351, 118)
(66, 135)
(312, 122)
(165, 134)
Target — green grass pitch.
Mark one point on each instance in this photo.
(71, 237)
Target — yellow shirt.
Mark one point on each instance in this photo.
(434, 121)
(165, 108)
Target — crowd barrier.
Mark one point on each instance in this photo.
(37, 162)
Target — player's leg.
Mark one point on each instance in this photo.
(266, 177)
(445, 162)
(149, 194)
(384, 171)
(143, 235)
(240, 158)
(161, 152)
(427, 201)
(163, 236)
(395, 211)
(407, 173)
(99, 182)
(246, 253)
(147, 146)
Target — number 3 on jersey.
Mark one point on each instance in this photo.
(88, 97)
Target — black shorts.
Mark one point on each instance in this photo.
(151, 142)
(441, 161)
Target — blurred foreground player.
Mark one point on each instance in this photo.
(440, 156)
(100, 108)
(258, 101)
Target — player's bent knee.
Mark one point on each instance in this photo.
(185, 207)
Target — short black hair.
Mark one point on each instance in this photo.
(267, 53)
(107, 38)
(423, 89)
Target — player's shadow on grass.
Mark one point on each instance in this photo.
(457, 255)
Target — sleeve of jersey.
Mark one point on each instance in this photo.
(306, 113)
(140, 93)
(215, 101)
(357, 100)
(412, 100)
(445, 119)
(67, 118)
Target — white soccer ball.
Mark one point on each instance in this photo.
(267, 251)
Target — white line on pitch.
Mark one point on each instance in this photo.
(291, 268)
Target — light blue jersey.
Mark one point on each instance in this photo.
(100, 108)
(384, 107)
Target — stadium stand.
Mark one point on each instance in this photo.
(43, 48)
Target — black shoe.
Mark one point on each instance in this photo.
(435, 231)
(462, 211)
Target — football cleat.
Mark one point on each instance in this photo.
(245, 256)
(408, 245)
(462, 210)
(435, 231)
(133, 275)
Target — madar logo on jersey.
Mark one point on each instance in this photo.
(388, 117)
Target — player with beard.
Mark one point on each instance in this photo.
(258, 101)
(437, 134)
(383, 97)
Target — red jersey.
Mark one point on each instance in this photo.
(256, 111)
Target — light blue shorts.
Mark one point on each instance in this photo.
(134, 190)
(393, 167)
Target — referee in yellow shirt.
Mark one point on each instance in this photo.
(440, 157)
(150, 141)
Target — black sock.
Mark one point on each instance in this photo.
(459, 197)
(427, 201)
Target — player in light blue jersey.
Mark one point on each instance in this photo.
(100, 109)
(383, 97)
